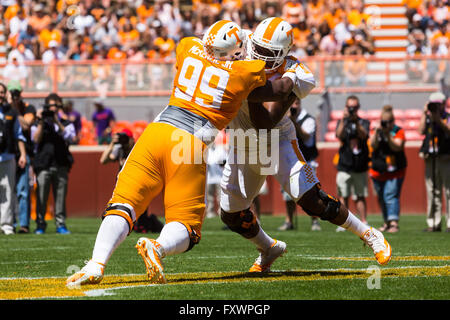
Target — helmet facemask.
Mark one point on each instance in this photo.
(272, 55)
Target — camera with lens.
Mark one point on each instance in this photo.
(293, 111)
(123, 139)
(352, 111)
(15, 94)
(48, 114)
(379, 132)
(433, 106)
(350, 129)
(385, 123)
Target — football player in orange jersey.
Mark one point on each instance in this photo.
(209, 87)
(241, 182)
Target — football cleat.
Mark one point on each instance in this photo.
(267, 257)
(148, 250)
(92, 273)
(381, 248)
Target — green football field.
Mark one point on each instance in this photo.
(323, 265)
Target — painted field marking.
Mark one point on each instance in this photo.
(54, 287)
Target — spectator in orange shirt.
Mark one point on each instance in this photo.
(40, 20)
(165, 44)
(334, 16)
(128, 36)
(11, 12)
(355, 13)
(115, 53)
(314, 12)
(293, 12)
(388, 168)
(128, 18)
(49, 34)
(300, 34)
(97, 10)
(441, 36)
(145, 11)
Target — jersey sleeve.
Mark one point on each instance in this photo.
(256, 75)
(300, 75)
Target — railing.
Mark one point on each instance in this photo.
(123, 78)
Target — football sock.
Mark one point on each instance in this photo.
(262, 240)
(355, 225)
(113, 230)
(174, 238)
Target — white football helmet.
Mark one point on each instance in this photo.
(224, 40)
(271, 42)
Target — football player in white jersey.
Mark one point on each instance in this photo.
(245, 170)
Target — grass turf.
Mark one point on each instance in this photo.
(318, 265)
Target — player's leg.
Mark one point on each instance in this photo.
(304, 186)
(184, 203)
(343, 184)
(137, 184)
(240, 184)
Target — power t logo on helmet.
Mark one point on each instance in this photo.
(271, 42)
(224, 41)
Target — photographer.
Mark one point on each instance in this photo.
(52, 161)
(12, 142)
(388, 168)
(353, 133)
(26, 116)
(435, 150)
(119, 148)
(117, 151)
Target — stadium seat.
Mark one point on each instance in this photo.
(120, 125)
(411, 135)
(330, 137)
(336, 114)
(373, 114)
(399, 114)
(137, 132)
(400, 123)
(362, 114)
(331, 126)
(140, 123)
(412, 114)
(411, 124)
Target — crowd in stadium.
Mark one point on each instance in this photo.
(108, 29)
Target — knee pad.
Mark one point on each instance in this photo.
(332, 206)
(243, 222)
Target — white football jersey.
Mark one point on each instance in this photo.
(304, 82)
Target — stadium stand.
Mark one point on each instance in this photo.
(87, 48)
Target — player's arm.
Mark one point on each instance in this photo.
(276, 90)
(302, 81)
(268, 115)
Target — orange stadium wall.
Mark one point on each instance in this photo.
(91, 184)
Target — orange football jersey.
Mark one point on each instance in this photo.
(211, 88)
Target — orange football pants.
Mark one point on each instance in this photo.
(164, 159)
